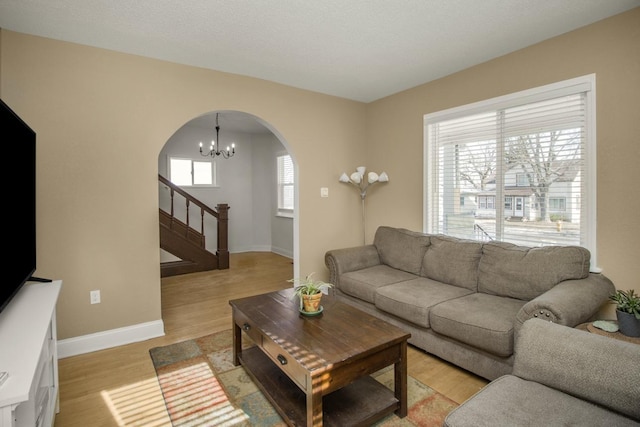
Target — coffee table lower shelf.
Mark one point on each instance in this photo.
(360, 403)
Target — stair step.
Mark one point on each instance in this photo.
(175, 268)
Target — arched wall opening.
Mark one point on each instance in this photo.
(246, 182)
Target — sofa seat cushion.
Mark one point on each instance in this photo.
(512, 401)
(479, 320)
(411, 300)
(364, 283)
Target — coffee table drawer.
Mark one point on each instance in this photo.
(287, 364)
(247, 326)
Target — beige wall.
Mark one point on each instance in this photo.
(102, 118)
(611, 50)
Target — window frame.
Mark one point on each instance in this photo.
(280, 186)
(584, 84)
(491, 202)
(561, 204)
(521, 180)
(214, 172)
(508, 203)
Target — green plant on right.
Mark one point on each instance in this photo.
(627, 302)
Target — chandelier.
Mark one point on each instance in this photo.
(214, 148)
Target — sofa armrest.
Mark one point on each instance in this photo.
(569, 303)
(599, 369)
(340, 261)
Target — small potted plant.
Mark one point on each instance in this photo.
(627, 311)
(309, 290)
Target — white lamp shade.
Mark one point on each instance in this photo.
(343, 177)
(372, 177)
(355, 177)
(361, 170)
(383, 177)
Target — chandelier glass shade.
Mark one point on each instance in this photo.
(214, 148)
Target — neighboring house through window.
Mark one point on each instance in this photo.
(534, 151)
(285, 185)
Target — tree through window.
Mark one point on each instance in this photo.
(515, 168)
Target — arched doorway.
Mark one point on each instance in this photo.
(246, 181)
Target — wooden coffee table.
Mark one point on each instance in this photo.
(316, 370)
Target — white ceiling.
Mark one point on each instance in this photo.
(357, 49)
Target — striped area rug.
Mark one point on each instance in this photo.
(202, 387)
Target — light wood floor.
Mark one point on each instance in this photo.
(118, 387)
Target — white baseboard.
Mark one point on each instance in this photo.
(284, 252)
(112, 338)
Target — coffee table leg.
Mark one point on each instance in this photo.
(314, 403)
(400, 381)
(237, 343)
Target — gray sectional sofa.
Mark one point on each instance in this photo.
(463, 300)
(561, 377)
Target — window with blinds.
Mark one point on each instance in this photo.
(285, 185)
(519, 168)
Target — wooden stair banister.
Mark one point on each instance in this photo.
(195, 237)
(223, 236)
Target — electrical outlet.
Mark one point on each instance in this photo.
(324, 192)
(95, 297)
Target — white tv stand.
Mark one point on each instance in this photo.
(29, 396)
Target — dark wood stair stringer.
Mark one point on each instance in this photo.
(183, 241)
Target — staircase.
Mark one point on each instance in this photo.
(185, 242)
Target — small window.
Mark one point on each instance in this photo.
(491, 202)
(285, 185)
(522, 180)
(192, 173)
(483, 202)
(508, 203)
(557, 203)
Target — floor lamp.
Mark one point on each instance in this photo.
(357, 179)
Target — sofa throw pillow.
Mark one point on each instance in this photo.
(453, 261)
(400, 248)
(521, 272)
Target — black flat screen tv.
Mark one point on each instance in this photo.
(19, 195)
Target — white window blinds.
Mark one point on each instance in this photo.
(515, 169)
(285, 184)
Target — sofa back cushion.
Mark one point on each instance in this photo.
(400, 248)
(524, 273)
(453, 261)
